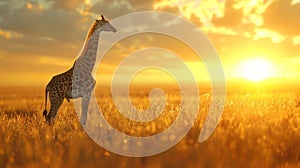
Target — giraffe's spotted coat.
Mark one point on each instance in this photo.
(70, 85)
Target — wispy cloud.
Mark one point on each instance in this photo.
(54, 61)
(10, 34)
(261, 33)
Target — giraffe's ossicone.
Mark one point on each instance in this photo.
(70, 86)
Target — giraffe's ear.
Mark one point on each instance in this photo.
(102, 17)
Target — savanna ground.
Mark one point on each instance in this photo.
(257, 129)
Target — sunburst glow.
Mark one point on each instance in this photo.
(256, 69)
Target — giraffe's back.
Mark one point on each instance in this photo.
(61, 85)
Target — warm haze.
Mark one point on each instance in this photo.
(256, 40)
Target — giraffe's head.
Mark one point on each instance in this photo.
(104, 25)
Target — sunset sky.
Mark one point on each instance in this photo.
(41, 38)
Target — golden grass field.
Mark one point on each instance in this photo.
(257, 129)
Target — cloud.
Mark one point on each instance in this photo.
(283, 17)
(56, 61)
(109, 8)
(219, 30)
(242, 14)
(4, 10)
(58, 24)
(67, 5)
(232, 17)
(115, 8)
(10, 34)
(172, 9)
(204, 11)
(296, 40)
(40, 30)
(294, 2)
(265, 33)
(275, 20)
(138, 5)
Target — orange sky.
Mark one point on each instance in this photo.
(41, 38)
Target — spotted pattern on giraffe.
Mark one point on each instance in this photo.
(68, 85)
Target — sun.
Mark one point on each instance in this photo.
(256, 69)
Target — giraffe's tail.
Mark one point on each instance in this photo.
(46, 95)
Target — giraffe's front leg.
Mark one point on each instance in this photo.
(55, 104)
(85, 106)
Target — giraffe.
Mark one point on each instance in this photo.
(71, 86)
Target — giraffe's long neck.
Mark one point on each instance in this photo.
(87, 58)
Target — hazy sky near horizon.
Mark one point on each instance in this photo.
(41, 38)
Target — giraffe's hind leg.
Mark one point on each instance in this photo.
(85, 106)
(55, 102)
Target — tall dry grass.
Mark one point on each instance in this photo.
(257, 129)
